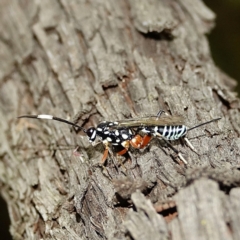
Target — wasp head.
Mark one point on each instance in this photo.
(91, 133)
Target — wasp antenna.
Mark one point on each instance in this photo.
(50, 117)
(213, 120)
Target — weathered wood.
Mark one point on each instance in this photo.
(202, 212)
(145, 223)
(106, 60)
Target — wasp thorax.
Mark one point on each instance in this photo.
(91, 133)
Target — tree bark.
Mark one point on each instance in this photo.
(90, 61)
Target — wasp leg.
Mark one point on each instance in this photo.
(139, 141)
(160, 113)
(175, 150)
(103, 160)
(113, 158)
(94, 144)
(133, 160)
(121, 150)
(122, 165)
(190, 145)
(145, 140)
(105, 154)
(75, 152)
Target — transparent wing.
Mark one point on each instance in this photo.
(150, 121)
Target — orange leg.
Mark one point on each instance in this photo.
(139, 141)
(125, 146)
(122, 152)
(136, 142)
(105, 155)
(145, 141)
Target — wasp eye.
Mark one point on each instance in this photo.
(91, 133)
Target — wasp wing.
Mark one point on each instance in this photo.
(150, 121)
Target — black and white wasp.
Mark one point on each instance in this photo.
(135, 132)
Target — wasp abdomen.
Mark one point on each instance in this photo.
(167, 132)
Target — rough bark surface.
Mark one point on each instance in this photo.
(90, 61)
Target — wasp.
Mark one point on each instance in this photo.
(135, 132)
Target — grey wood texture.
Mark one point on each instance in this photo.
(89, 61)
